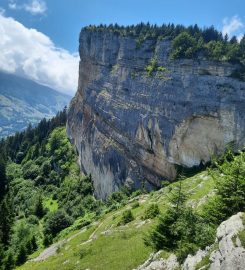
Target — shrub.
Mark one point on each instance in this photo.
(127, 217)
(56, 222)
(151, 67)
(135, 205)
(151, 212)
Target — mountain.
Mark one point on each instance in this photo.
(24, 102)
(152, 102)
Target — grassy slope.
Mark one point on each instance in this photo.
(104, 245)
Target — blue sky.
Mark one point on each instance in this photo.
(60, 21)
(63, 19)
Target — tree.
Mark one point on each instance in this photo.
(56, 222)
(184, 46)
(180, 229)
(9, 261)
(39, 210)
(6, 219)
(3, 178)
(21, 256)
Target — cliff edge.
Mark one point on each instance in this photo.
(132, 127)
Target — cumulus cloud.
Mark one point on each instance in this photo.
(34, 6)
(232, 26)
(32, 54)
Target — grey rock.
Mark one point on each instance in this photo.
(192, 260)
(228, 256)
(131, 129)
(154, 263)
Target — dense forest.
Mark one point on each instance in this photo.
(41, 190)
(187, 42)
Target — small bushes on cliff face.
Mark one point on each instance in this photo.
(154, 67)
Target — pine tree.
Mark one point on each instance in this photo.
(6, 220)
(3, 178)
(21, 256)
(39, 209)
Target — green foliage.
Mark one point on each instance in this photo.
(21, 256)
(30, 170)
(6, 220)
(45, 192)
(184, 46)
(180, 229)
(39, 210)
(56, 222)
(3, 178)
(229, 175)
(151, 212)
(9, 261)
(135, 205)
(187, 42)
(127, 217)
(151, 67)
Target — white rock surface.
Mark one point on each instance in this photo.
(228, 256)
(154, 263)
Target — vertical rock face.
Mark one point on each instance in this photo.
(131, 129)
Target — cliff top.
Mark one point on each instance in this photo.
(187, 42)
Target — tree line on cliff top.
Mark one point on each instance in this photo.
(188, 42)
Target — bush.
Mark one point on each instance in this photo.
(116, 197)
(135, 205)
(127, 217)
(30, 170)
(151, 212)
(56, 222)
(151, 67)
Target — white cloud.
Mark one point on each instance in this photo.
(232, 26)
(33, 6)
(36, 7)
(32, 54)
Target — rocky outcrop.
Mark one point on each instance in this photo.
(156, 263)
(229, 254)
(132, 129)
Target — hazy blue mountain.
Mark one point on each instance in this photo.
(23, 101)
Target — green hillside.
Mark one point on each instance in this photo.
(105, 245)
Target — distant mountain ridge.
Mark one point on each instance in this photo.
(23, 101)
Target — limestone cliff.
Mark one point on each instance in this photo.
(132, 128)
